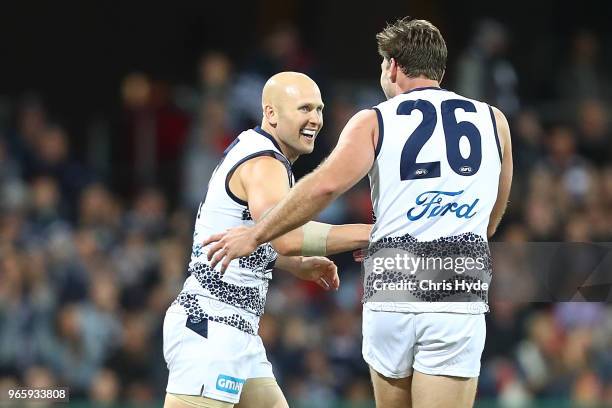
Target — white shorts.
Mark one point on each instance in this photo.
(395, 343)
(210, 359)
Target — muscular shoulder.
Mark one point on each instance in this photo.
(362, 127)
(262, 168)
(364, 118)
(257, 175)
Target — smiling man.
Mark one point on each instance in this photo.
(211, 346)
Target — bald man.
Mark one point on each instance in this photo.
(214, 354)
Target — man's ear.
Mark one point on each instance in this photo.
(442, 77)
(393, 70)
(270, 115)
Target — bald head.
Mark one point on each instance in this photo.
(292, 112)
(287, 86)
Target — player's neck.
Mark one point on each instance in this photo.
(285, 150)
(407, 84)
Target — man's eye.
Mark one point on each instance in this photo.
(304, 109)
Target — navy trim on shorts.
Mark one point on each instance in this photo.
(381, 132)
(269, 153)
(495, 132)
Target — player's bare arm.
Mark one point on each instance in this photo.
(263, 182)
(348, 163)
(505, 177)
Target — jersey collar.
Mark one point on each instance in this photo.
(265, 134)
(423, 88)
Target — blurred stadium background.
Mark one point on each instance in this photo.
(113, 115)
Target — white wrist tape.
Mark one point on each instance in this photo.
(315, 238)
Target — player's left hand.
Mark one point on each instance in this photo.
(319, 270)
(231, 244)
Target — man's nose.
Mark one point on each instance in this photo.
(316, 117)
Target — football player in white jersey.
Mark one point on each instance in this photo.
(440, 169)
(214, 355)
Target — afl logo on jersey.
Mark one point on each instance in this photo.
(466, 170)
(421, 172)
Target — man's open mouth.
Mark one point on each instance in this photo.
(308, 133)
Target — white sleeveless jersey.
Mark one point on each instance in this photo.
(237, 297)
(435, 178)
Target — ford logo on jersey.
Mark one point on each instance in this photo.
(431, 204)
(229, 384)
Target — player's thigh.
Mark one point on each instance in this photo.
(442, 391)
(191, 401)
(262, 393)
(391, 392)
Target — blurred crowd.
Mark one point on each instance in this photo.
(94, 243)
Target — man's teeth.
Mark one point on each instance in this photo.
(308, 132)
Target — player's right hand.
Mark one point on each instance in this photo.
(231, 244)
